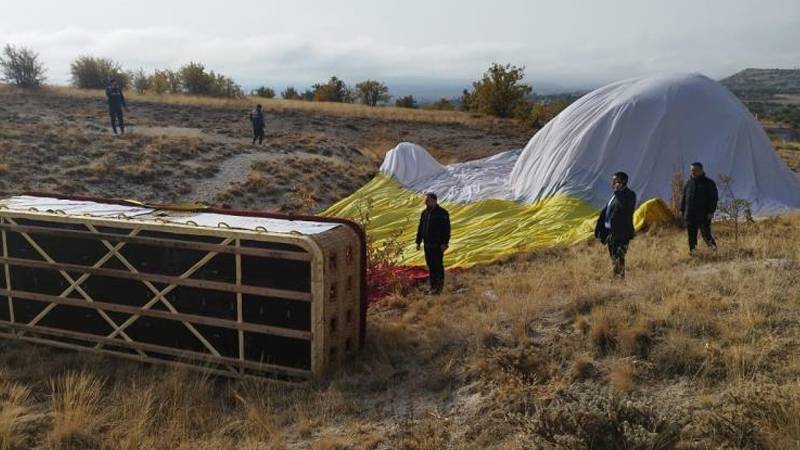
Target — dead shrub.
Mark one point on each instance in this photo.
(585, 416)
(603, 330)
(680, 355)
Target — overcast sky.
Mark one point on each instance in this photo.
(413, 42)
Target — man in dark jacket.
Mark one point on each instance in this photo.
(698, 204)
(615, 224)
(434, 231)
(257, 118)
(116, 102)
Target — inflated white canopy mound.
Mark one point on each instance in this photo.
(647, 127)
(650, 127)
(466, 182)
(409, 162)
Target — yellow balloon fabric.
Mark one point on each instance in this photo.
(483, 231)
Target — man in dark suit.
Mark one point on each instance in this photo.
(116, 103)
(698, 204)
(434, 231)
(257, 119)
(615, 224)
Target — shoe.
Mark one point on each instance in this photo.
(692, 252)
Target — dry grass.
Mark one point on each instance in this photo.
(15, 411)
(789, 152)
(75, 404)
(281, 105)
(539, 351)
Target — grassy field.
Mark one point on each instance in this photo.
(540, 351)
(277, 105)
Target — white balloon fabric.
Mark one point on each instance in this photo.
(650, 128)
(409, 162)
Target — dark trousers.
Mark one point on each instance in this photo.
(258, 133)
(116, 117)
(617, 250)
(704, 225)
(434, 258)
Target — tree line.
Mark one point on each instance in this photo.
(501, 91)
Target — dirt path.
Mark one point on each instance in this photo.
(237, 168)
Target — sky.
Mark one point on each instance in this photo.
(426, 47)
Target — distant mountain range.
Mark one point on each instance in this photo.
(763, 83)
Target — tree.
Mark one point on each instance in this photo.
(732, 208)
(290, 93)
(94, 73)
(335, 90)
(372, 92)
(406, 102)
(21, 66)
(141, 82)
(500, 92)
(264, 92)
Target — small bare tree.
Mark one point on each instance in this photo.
(141, 82)
(383, 259)
(21, 66)
(677, 192)
(733, 209)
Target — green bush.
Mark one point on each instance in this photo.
(406, 102)
(442, 104)
(195, 79)
(307, 95)
(290, 93)
(263, 92)
(89, 72)
(141, 82)
(21, 66)
(165, 82)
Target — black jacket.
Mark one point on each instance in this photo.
(116, 101)
(699, 198)
(434, 227)
(257, 118)
(621, 210)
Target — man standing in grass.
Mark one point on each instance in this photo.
(434, 231)
(116, 102)
(615, 224)
(698, 204)
(257, 118)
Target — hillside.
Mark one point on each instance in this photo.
(539, 351)
(180, 148)
(759, 83)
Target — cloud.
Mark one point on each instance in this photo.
(280, 59)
